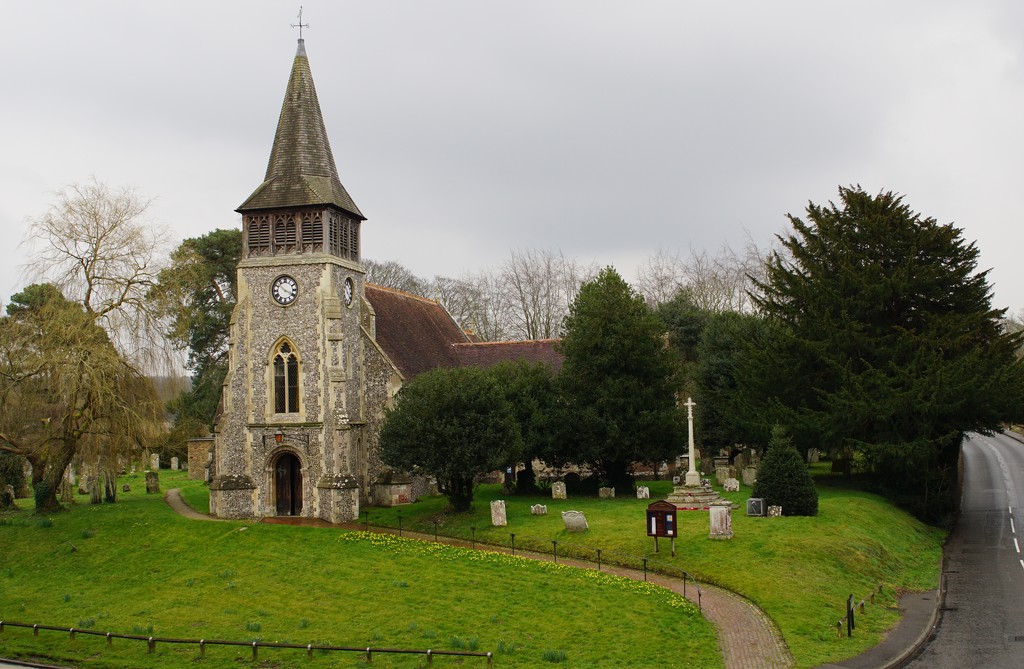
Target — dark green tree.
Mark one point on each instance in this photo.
(197, 294)
(531, 391)
(618, 381)
(783, 479)
(885, 343)
(452, 424)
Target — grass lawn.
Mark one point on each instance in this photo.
(799, 570)
(136, 567)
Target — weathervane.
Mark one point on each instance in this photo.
(300, 25)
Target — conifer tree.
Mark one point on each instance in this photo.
(783, 479)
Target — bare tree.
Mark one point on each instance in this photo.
(539, 286)
(392, 274)
(96, 245)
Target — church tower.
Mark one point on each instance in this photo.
(290, 438)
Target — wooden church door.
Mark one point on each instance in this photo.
(288, 485)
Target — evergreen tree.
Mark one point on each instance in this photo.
(783, 479)
(618, 381)
(452, 424)
(883, 343)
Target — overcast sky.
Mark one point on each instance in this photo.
(465, 129)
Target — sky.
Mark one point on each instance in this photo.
(466, 129)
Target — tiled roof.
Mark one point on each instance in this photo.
(487, 354)
(416, 333)
(301, 170)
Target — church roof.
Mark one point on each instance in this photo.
(488, 354)
(420, 335)
(301, 170)
(416, 333)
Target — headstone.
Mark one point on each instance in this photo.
(126, 488)
(741, 460)
(558, 490)
(154, 461)
(174, 464)
(539, 509)
(775, 512)
(574, 521)
(643, 492)
(721, 473)
(606, 493)
(7, 497)
(84, 484)
(731, 485)
(498, 518)
(813, 455)
(749, 475)
(152, 482)
(756, 506)
(721, 521)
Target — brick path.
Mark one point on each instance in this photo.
(747, 638)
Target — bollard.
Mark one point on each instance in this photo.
(255, 651)
(862, 606)
(1, 626)
(202, 647)
(309, 651)
(35, 630)
(839, 629)
(513, 545)
(430, 657)
(872, 597)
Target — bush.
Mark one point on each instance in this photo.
(783, 479)
(42, 494)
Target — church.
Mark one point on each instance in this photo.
(317, 354)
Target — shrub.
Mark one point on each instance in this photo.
(783, 479)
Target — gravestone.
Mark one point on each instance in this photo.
(721, 473)
(558, 490)
(498, 518)
(174, 464)
(7, 497)
(152, 482)
(574, 521)
(66, 492)
(721, 521)
(84, 483)
(813, 455)
(749, 475)
(756, 507)
(126, 488)
(775, 512)
(731, 485)
(154, 461)
(606, 493)
(643, 492)
(539, 509)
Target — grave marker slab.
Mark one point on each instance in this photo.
(575, 521)
(731, 485)
(539, 509)
(606, 493)
(152, 482)
(498, 517)
(643, 492)
(721, 521)
(174, 464)
(775, 512)
(558, 490)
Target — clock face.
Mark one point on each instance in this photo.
(284, 289)
(348, 291)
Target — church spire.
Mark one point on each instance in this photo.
(301, 170)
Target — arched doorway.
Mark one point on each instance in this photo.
(288, 485)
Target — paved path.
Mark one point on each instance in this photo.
(747, 638)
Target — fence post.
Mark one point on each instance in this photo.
(255, 651)
(599, 559)
(110, 640)
(309, 651)
(369, 656)
(202, 647)
(554, 551)
(435, 531)
(513, 545)
(1, 626)
(645, 570)
(490, 659)
(71, 634)
(839, 629)
(849, 616)
(473, 538)
(35, 630)
(399, 522)
(366, 520)
(150, 645)
(430, 657)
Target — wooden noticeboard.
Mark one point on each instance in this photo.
(661, 519)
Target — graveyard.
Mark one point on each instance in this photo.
(136, 566)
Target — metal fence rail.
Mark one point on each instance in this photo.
(152, 641)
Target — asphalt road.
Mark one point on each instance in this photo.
(982, 622)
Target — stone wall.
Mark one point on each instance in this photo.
(199, 453)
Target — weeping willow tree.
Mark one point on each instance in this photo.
(67, 393)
